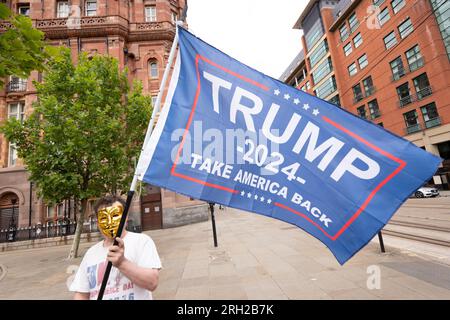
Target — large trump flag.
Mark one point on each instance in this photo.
(231, 135)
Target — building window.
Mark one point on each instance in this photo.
(374, 109)
(357, 93)
(314, 34)
(153, 69)
(24, 9)
(353, 22)
(369, 88)
(397, 68)
(91, 8)
(422, 86)
(442, 14)
(414, 57)
(357, 40)
(62, 9)
(348, 48)
(384, 16)
(50, 211)
(150, 14)
(326, 88)
(12, 155)
(322, 70)
(404, 94)
(343, 31)
(154, 100)
(405, 28)
(411, 121)
(390, 40)
(335, 100)
(174, 17)
(17, 84)
(378, 2)
(352, 70)
(362, 61)
(318, 53)
(430, 115)
(16, 110)
(381, 124)
(362, 112)
(397, 5)
(308, 85)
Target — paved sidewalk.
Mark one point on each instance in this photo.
(257, 258)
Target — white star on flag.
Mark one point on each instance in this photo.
(269, 200)
(287, 96)
(262, 199)
(249, 195)
(256, 197)
(306, 106)
(316, 112)
(243, 193)
(276, 92)
(296, 101)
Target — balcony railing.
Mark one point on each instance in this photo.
(413, 128)
(425, 92)
(411, 67)
(406, 100)
(433, 122)
(16, 85)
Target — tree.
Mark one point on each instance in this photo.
(85, 133)
(22, 47)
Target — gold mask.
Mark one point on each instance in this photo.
(109, 219)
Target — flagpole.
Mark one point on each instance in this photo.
(151, 124)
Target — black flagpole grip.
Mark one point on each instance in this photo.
(119, 233)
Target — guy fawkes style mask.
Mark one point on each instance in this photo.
(109, 219)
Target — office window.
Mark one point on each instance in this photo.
(153, 69)
(357, 40)
(369, 88)
(23, 9)
(352, 70)
(362, 61)
(405, 28)
(362, 112)
(384, 16)
(414, 57)
(314, 34)
(397, 5)
(343, 31)
(422, 86)
(348, 48)
(404, 94)
(335, 100)
(397, 68)
(411, 121)
(318, 53)
(442, 14)
(430, 115)
(378, 2)
(374, 109)
(326, 88)
(16, 110)
(62, 9)
(357, 93)
(390, 40)
(353, 22)
(12, 155)
(91, 8)
(322, 70)
(150, 14)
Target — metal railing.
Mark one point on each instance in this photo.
(17, 85)
(421, 94)
(425, 92)
(433, 122)
(413, 128)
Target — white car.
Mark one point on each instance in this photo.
(426, 192)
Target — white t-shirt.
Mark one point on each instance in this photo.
(139, 249)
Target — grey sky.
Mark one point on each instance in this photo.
(256, 32)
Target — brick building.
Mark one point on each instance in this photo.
(387, 61)
(139, 34)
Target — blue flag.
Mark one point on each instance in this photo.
(231, 135)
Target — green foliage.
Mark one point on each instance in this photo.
(22, 47)
(86, 130)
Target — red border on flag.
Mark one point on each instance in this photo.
(366, 202)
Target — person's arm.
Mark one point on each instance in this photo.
(146, 278)
(81, 296)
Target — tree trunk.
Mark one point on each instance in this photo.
(76, 240)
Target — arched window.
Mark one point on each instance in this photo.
(9, 210)
(153, 69)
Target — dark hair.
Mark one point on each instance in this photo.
(107, 201)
